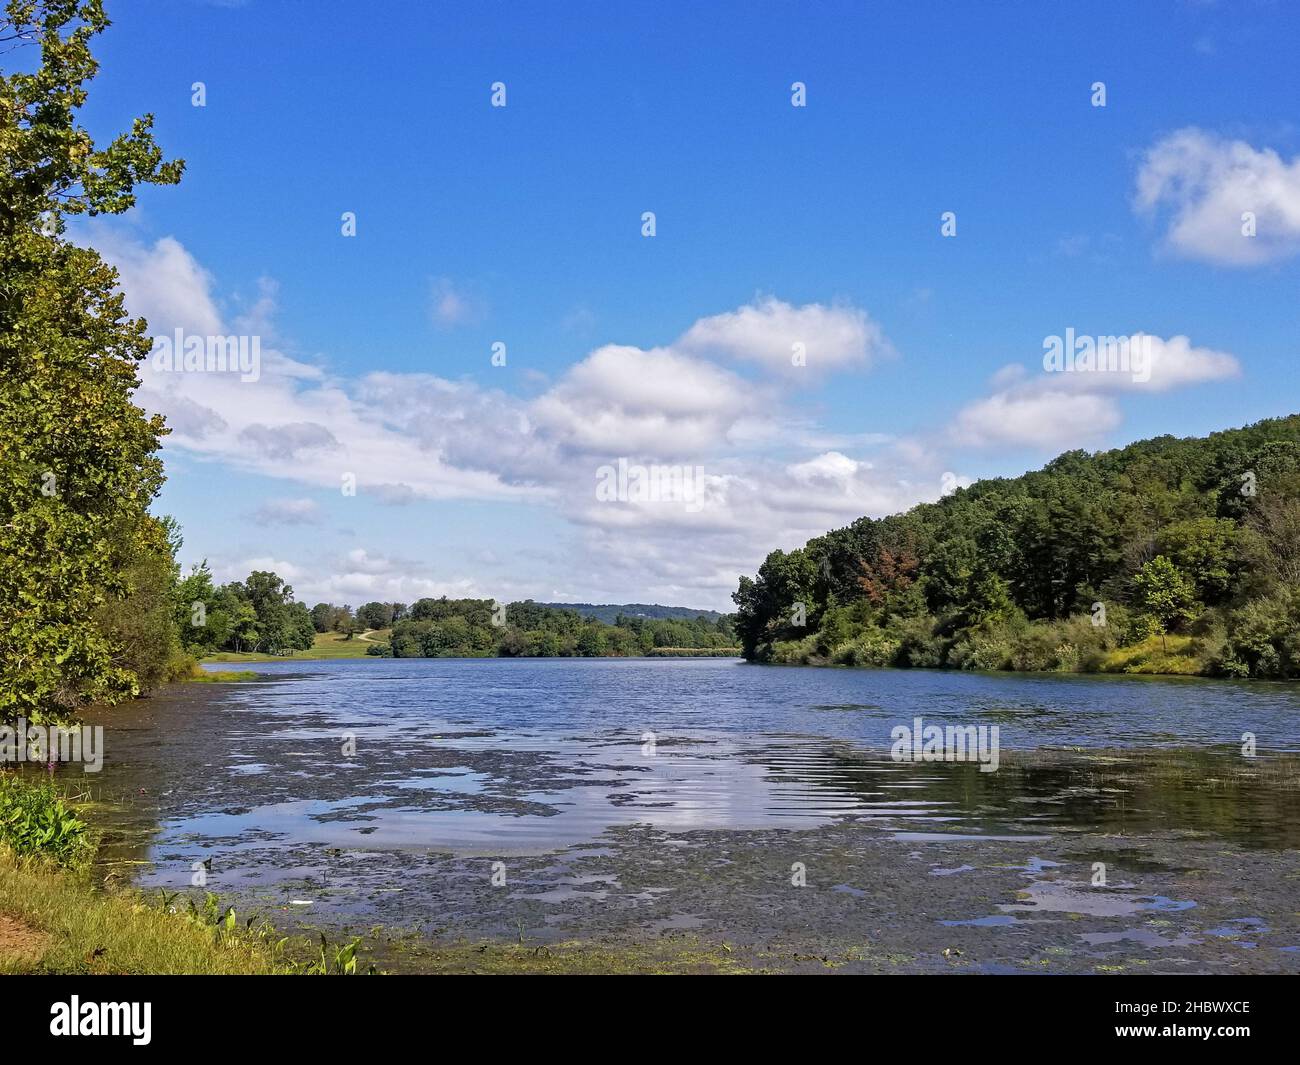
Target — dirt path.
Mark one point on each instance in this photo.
(19, 942)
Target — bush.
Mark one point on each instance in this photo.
(1035, 650)
(1155, 655)
(1265, 637)
(919, 646)
(981, 650)
(874, 648)
(35, 818)
(793, 652)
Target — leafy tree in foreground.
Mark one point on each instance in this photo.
(1164, 595)
(78, 462)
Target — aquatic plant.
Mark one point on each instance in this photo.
(36, 818)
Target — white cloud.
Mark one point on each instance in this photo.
(770, 476)
(768, 332)
(1164, 366)
(628, 401)
(1205, 183)
(1074, 403)
(1058, 418)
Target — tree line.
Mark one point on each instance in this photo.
(461, 628)
(1169, 555)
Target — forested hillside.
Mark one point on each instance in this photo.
(1170, 555)
(610, 612)
(442, 628)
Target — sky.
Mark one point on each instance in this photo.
(868, 222)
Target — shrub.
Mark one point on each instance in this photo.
(35, 818)
(983, 650)
(793, 652)
(874, 648)
(1265, 637)
(919, 647)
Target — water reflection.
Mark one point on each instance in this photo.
(531, 759)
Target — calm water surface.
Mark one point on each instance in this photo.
(500, 756)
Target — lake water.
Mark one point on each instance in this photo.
(638, 796)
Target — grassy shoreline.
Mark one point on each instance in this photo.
(332, 645)
(56, 922)
(1172, 656)
(57, 919)
(325, 645)
(60, 923)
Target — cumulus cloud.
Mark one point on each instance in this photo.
(784, 338)
(1072, 402)
(767, 475)
(294, 422)
(624, 400)
(1204, 184)
(1036, 418)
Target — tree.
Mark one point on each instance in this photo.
(78, 462)
(193, 601)
(1206, 550)
(1164, 595)
(323, 616)
(300, 632)
(376, 615)
(591, 640)
(349, 624)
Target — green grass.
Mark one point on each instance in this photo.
(326, 645)
(1170, 656)
(70, 927)
(221, 676)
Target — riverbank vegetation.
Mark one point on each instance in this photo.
(465, 628)
(468, 628)
(1167, 556)
(83, 564)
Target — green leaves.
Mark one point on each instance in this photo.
(78, 462)
(35, 818)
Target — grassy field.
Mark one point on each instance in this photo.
(1171, 655)
(327, 645)
(56, 922)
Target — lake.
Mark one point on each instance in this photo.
(555, 799)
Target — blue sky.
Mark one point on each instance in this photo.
(775, 224)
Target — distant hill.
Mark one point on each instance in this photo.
(1166, 556)
(607, 612)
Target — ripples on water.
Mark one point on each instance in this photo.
(525, 756)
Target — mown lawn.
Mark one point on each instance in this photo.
(327, 645)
